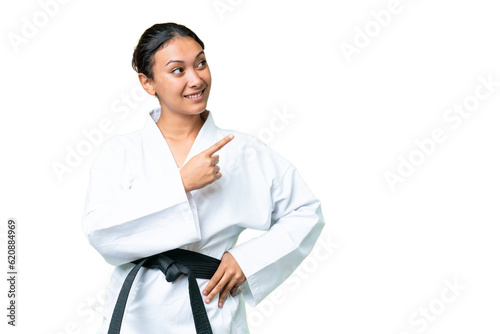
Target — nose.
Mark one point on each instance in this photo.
(194, 79)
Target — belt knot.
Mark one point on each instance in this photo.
(173, 264)
(169, 268)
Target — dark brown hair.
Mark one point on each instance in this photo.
(153, 39)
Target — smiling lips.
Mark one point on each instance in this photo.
(196, 96)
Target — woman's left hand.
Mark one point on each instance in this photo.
(228, 276)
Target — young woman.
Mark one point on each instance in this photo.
(170, 201)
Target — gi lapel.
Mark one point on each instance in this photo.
(154, 139)
(205, 138)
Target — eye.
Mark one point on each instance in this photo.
(177, 70)
(202, 63)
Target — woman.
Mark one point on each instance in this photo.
(160, 190)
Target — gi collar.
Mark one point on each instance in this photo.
(155, 140)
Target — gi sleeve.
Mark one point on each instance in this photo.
(296, 223)
(127, 218)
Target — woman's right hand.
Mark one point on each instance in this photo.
(202, 169)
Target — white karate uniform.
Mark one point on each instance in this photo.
(136, 207)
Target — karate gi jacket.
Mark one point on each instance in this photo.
(136, 206)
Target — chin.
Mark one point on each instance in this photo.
(198, 109)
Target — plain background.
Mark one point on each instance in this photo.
(352, 123)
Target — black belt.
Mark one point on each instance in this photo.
(173, 264)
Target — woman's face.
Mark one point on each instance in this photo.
(181, 77)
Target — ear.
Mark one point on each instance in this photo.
(147, 84)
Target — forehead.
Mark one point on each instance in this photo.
(179, 48)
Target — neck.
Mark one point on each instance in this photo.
(180, 126)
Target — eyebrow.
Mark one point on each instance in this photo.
(181, 61)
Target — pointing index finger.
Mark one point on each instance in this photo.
(218, 145)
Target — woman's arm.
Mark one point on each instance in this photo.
(125, 218)
(296, 223)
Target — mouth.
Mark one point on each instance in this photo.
(196, 96)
